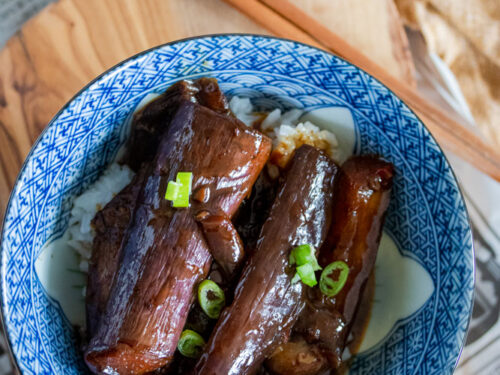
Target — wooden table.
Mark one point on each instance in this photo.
(73, 41)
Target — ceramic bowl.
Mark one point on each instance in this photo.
(424, 271)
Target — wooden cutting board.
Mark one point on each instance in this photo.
(73, 41)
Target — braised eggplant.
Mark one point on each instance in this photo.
(224, 241)
(152, 120)
(238, 229)
(164, 251)
(362, 196)
(110, 225)
(266, 303)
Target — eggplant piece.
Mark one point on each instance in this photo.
(266, 304)
(224, 242)
(164, 252)
(364, 188)
(110, 224)
(361, 199)
(151, 122)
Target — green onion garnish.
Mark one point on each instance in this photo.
(306, 274)
(172, 192)
(190, 344)
(304, 254)
(178, 191)
(211, 298)
(329, 286)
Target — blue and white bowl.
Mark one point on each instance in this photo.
(424, 270)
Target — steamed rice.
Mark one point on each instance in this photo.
(285, 130)
(288, 138)
(80, 233)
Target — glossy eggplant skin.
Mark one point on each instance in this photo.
(111, 222)
(153, 120)
(266, 304)
(164, 252)
(110, 225)
(362, 196)
(364, 191)
(225, 243)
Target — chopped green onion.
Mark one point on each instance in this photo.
(305, 259)
(304, 254)
(172, 190)
(332, 287)
(185, 179)
(190, 344)
(211, 298)
(179, 191)
(296, 278)
(306, 274)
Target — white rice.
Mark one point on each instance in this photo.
(243, 110)
(80, 233)
(285, 129)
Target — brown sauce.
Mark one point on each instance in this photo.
(360, 324)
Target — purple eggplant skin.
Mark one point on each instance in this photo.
(111, 222)
(153, 120)
(225, 243)
(266, 304)
(363, 191)
(164, 252)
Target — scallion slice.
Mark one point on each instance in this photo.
(211, 298)
(190, 344)
(172, 190)
(306, 274)
(330, 286)
(304, 254)
(179, 191)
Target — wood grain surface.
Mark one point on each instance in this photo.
(73, 41)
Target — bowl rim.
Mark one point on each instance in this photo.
(116, 67)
